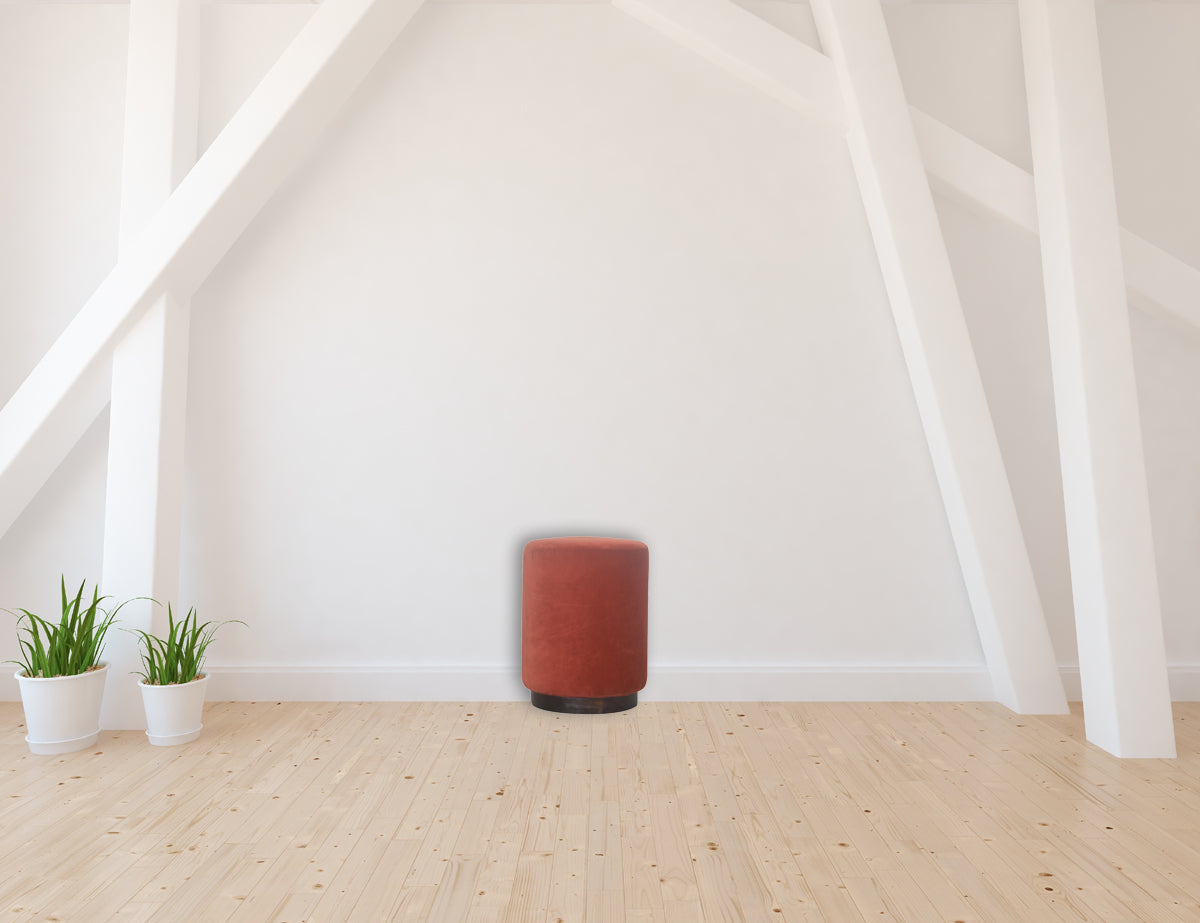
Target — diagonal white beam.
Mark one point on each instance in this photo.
(1122, 658)
(31, 457)
(144, 500)
(749, 47)
(967, 170)
(184, 240)
(941, 363)
(733, 39)
(803, 78)
(1166, 280)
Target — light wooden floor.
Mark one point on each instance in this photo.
(672, 812)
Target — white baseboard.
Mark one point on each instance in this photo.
(1184, 679)
(1185, 682)
(414, 683)
(667, 683)
(818, 683)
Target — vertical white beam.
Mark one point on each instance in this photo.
(941, 363)
(239, 172)
(1122, 663)
(802, 78)
(144, 501)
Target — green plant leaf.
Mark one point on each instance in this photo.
(71, 646)
(179, 657)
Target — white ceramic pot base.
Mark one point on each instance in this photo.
(62, 713)
(174, 712)
(171, 740)
(55, 747)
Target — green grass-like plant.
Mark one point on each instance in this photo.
(72, 645)
(178, 658)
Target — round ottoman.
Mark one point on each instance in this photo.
(583, 623)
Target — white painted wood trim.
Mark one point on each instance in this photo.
(750, 48)
(1166, 280)
(667, 682)
(965, 170)
(27, 458)
(801, 77)
(143, 517)
(1114, 581)
(941, 361)
(239, 172)
(781, 682)
(144, 490)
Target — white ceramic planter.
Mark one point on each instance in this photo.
(62, 713)
(173, 712)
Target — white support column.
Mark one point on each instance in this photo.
(803, 79)
(1127, 704)
(180, 245)
(941, 363)
(69, 389)
(144, 501)
(144, 504)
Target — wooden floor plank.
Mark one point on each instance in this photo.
(671, 812)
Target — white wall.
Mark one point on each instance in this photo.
(962, 63)
(550, 274)
(62, 85)
(1152, 73)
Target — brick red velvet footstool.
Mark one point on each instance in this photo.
(583, 623)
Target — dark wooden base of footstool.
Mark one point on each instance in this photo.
(575, 705)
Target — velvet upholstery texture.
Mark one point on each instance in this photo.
(583, 616)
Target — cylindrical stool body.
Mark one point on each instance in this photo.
(583, 623)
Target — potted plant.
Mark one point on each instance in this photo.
(173, 682)
(61, 676)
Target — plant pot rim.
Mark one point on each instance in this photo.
(145, 685)
(23, 677)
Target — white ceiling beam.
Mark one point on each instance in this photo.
(143, 510)
(750, 48)
(1114, 582)
(801, 77)
(966, 170)
(185, 239)
(1165, 280)
(941, 362)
